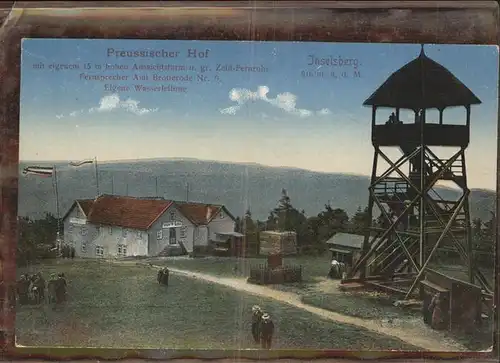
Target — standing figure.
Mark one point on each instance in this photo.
(426, 309)
(51, 288)
(334, 269)
(437, 312)
(72, 252)
(166, 274)
(392, 118)
(61, 288)
(22, 289)
(266, 331)
(32, 289)
(256, 321)
(159, 278)
(40, 284)
(342, 269)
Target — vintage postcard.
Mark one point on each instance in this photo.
(256, 195)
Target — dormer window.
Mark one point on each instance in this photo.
(221, 215)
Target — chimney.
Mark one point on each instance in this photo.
(209, 213)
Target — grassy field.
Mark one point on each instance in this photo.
(123, 306)
(314, 268)
(321, 292)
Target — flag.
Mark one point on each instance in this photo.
(81, 162)
(39, 170)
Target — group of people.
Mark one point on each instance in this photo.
(31, 289)
(262, 327)
(393, 120)
(338, 270)
(163, 275)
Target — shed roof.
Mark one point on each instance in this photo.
(420, 84)
(347, 240)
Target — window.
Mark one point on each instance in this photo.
(124, 232)
(159, 235)
(172, 236)
(99, 251)
(110, 230)
(183, 232)
(84, 247)
(70, 228)
(98, 230)
(139, 234)
(221, 215)
(83, 231)
(122, 250)
(172, 216)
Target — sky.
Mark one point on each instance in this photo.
(259, 102)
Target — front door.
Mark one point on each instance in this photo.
(172, 238)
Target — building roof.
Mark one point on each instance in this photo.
(347, 240)
(141, 213)
(198, 213)
(421, 84)
(85, 204)
(127, 212)
(280, 233)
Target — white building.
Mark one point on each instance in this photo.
(118, 226)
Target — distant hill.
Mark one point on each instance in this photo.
(238, 186)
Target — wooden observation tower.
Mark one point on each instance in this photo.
(417, 221)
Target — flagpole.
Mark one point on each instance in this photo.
(96, 175)
(56, 192)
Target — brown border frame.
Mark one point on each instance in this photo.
(458, 22)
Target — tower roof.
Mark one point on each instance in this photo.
(422, 83)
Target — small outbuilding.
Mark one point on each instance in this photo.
(345, 247)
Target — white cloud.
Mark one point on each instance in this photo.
(285, 101)
(112, 103)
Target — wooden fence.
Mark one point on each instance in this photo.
(264, 275)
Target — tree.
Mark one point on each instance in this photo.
(248, 223)
(251, 232)
(360, 220)
(238, 224)
(287, 217)
(477, 228)
(36, 239)
(335, 218)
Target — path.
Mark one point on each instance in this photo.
(406, 335)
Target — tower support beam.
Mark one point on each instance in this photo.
(436, 245)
